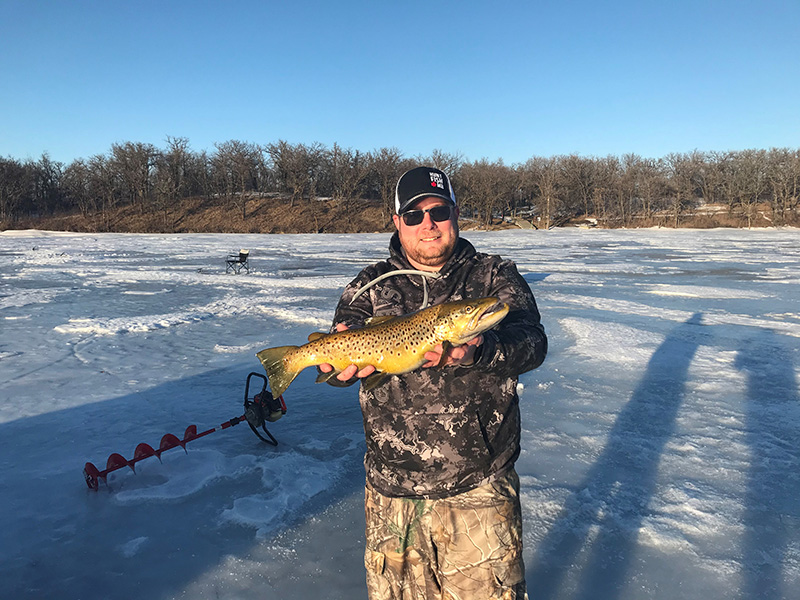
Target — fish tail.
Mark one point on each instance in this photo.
(273, 360)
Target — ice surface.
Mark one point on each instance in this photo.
(660, 438)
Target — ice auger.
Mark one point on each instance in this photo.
(259, 409)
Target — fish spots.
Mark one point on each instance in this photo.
(398, 344)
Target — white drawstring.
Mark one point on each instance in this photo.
(431, 274)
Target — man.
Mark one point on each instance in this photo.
(442, 497)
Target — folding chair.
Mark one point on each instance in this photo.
(236, 262)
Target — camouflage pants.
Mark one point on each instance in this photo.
(466, 547)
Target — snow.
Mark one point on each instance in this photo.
(660, 438)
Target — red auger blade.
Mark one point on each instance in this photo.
(143, 451)
(191, 433)
(116, 461)
(92, 476)
(169, 441)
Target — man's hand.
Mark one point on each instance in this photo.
(456, 355)
(352, 370)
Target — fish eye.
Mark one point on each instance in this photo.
(469, 309)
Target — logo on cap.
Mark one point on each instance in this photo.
(437, 180)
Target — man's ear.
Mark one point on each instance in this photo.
(396, 220)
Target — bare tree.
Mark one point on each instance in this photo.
(544, 174)
(726, 165)
(235, 167)
(705, 175)
(76, 187)
(347, 169)
(485, 187)
(386, 166)
(134, 163)
(606, 174)
(651, 186)
(750, 181)
(44, 194)
(683, 185)
(783, 176)
(579, 178)
(449, 162)
(199, 175)
(626, 190)
(12, 189)
(103, 184)
(297, 168)
(171, 178)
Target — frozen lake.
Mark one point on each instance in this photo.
(660, 437)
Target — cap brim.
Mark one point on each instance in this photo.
(408, 203)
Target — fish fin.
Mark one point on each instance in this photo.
(277, 373)
(372, 381)
(445, 347)
(313, 337)
(324, 377)
(378, 320)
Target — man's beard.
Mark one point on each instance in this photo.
(432, 257)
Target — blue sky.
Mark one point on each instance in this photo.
(489, 80)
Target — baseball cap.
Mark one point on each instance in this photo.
(422, 182)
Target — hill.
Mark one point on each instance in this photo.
(210, 215)
(269, 213)
(264, 214)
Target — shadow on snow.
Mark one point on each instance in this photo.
(611, 501)
(60, 539)
(595, 536)
(773, 481)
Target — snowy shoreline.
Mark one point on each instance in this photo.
(35, 232)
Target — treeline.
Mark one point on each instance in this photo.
(616, 191)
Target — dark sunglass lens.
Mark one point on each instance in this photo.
(440, 213)
(413, 217)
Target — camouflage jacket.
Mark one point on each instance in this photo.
(437, 432)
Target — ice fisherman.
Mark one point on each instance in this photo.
(443, 517)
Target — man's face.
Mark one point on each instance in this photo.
(430, 244)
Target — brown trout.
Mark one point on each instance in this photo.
(393, 345)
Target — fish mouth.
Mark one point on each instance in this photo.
(490, 312)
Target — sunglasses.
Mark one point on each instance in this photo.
(438, 213)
